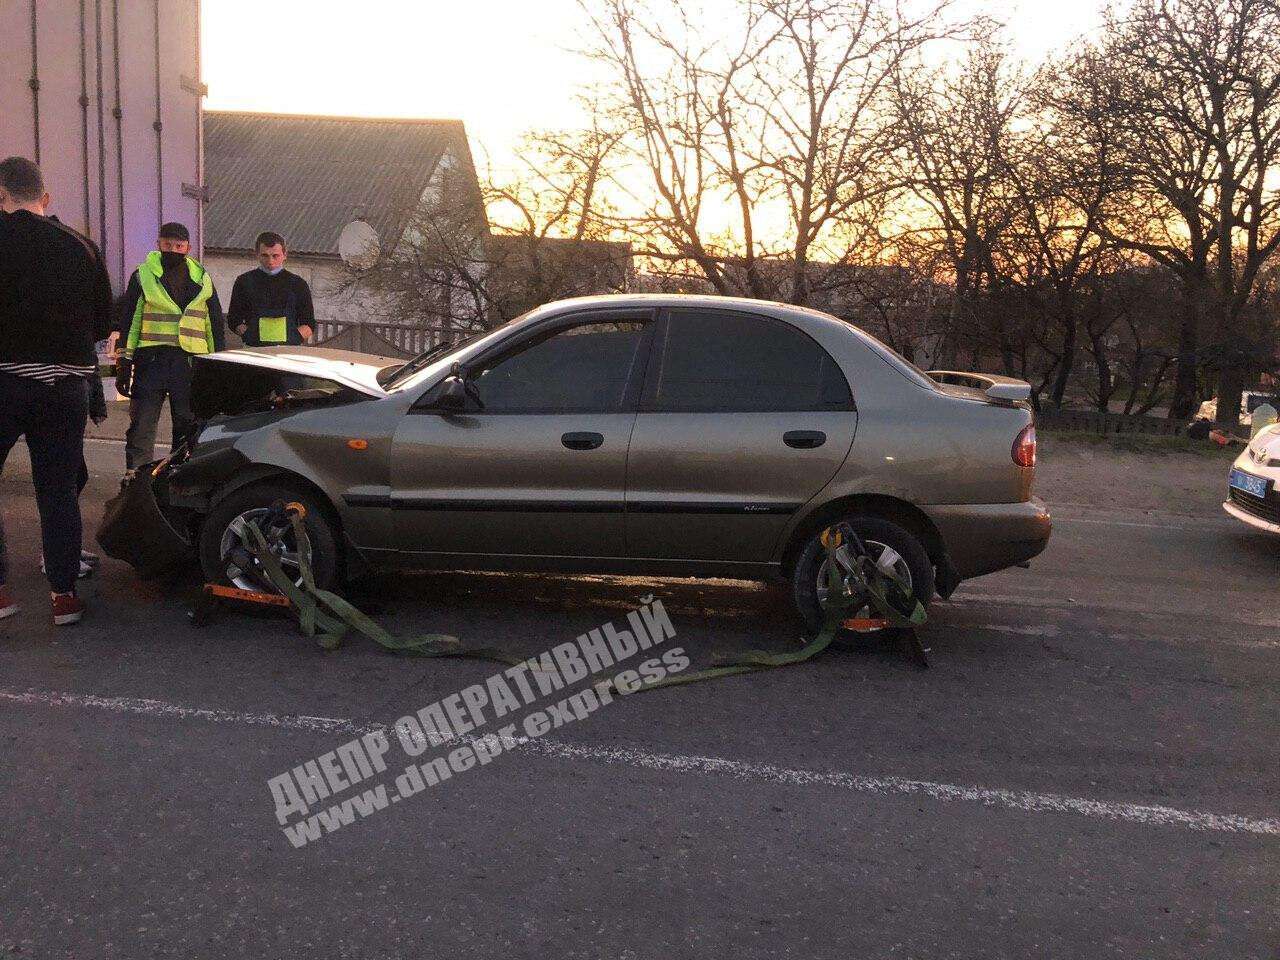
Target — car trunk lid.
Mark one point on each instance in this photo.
(988, 387)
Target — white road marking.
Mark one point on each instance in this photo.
(1026, 800)
(173, 711)
(1022, 800)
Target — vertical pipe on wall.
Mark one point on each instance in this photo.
(102, 137)
(199, 244)
(158, 125)
(34, 82)
(118, 113)
(84, 119)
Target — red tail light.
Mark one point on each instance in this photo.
(1024, 447)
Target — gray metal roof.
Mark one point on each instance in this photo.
(306, 177)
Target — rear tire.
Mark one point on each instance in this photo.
(217, 531)
(877, 534)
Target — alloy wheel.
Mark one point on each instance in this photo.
(246, 572)
(887, 560)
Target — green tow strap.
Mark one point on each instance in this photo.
(328, 617)
(870, 587)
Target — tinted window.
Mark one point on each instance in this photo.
(736, 362)
(584, 369)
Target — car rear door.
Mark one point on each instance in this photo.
(537, 466)
(742, 420)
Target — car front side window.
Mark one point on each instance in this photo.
(583, 369)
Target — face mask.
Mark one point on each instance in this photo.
(171, 261)
(270, 273)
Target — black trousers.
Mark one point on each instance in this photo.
(144, 418)
(158, 372)
(52, 419)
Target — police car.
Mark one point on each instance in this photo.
(1251, 485)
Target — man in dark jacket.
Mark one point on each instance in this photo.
(55, 304)
(168, 314)
(269, 305)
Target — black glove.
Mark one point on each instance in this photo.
(124, 377)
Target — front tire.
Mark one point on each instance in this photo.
(897, 553)
(221, 533)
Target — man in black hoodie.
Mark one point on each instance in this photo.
(271, 306)
(168, 314)
(55, 304)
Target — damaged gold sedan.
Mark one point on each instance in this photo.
(660, 435)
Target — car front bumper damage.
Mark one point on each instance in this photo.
(137, 530)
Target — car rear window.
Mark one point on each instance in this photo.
(721, 361)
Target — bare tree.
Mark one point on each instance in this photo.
(766, 143)
(1192, 89)
(1124, 308)
(959, 138)
(1060, 170)
(556, 239)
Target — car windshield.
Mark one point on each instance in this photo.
(390, 376)
(393, 378)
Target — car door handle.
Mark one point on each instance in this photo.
(804, 439)
(582, 440)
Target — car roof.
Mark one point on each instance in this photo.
(615, 301)
(833, 333)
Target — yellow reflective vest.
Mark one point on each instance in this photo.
(159, 322)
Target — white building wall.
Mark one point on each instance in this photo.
(115, 183)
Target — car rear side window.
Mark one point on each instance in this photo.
(584, 369)
(733, 362)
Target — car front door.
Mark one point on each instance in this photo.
(535, 465)
(742, 420)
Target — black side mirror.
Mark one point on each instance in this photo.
(452, 396)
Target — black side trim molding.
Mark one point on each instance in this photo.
(732, 508)
(493, 506)
(700, 507)
(507, 506)
(366, 499)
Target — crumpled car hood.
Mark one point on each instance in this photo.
(358, 371)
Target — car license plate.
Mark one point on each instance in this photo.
(1256, 486)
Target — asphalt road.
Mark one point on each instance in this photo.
(1088, 770)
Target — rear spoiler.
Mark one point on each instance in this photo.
(993, 385)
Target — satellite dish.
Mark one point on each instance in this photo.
(358, 245)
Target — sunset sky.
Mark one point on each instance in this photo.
(502, 66)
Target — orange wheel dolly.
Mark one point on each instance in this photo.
(908, 637)
(214, 596)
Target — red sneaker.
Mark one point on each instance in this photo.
(67, 608)
(8, 606)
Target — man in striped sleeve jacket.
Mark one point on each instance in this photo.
(55, 304)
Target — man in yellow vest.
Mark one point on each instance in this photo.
(169, 313)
